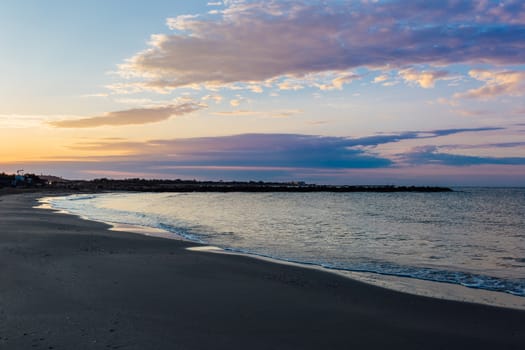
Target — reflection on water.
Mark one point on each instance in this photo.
(474, 236)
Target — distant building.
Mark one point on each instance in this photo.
(19, 179)
(50, 179)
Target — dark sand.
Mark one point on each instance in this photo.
(66, 283)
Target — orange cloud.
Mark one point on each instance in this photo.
(425, 79)
(131, 116)
(496, 83)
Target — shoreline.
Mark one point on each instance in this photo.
(72, 283)
(409, 285)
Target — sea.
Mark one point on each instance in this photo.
(471, 237)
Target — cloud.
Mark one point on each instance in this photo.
(273, 150)
(381, 139)
(490, 152)
(235, 103)
(238, 112)
(474, 113)
(183, 22)
(339, 82)
(290, 85)
(254, 42)
(286, 157)
(286, 113)
(425, 79)
(95, 95)
(276, 150)
(433, 155)
(216, 98)
(131, 116)
(390, 83)
(381, 78)
(256, 88)
(270, 114)
(496, 84)
(323, 81)
(488, 145)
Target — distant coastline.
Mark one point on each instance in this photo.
(153, 185)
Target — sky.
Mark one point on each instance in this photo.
(423, 92)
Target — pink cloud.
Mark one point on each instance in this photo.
(496, 84)
(425, 79)
(253, 42)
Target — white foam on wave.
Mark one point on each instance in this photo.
(421, 281)
(426, 288)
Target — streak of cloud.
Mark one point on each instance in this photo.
(433, 155)
(273, 150)
(269, 114)
(131, 116)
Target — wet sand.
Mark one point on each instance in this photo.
(67, 283)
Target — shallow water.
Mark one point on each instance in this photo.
(473, 236)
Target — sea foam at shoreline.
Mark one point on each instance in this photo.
(472, 237)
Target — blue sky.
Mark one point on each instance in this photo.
(426, 92)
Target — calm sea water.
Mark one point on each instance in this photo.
(474, 236)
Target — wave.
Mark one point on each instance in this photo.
(82, 197)
(86, 205)
(466, 279)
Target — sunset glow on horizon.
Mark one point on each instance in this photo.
(343, 92)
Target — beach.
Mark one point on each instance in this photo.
(69, 283)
